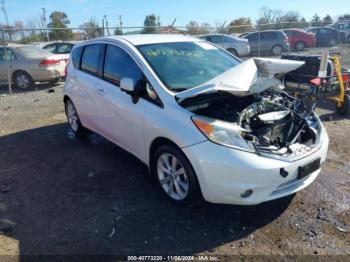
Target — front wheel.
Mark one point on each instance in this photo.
(175, 176)
(277, 50)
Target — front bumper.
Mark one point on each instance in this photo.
(225, 173)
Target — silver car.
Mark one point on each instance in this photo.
(343, 26)
(232, 44)
(27, 64)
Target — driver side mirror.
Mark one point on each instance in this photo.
(127, 85)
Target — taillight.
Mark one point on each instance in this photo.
(286, 39)
(49, 62)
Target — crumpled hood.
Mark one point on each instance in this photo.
(250, 77)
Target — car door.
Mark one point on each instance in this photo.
(86, 92)
(253, 40)
(318, 35)
(120, 119)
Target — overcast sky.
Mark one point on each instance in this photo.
(133, 11)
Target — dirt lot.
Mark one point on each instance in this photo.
(65, 195)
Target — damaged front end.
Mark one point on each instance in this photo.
(260, 118)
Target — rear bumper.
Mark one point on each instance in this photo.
(47, 73)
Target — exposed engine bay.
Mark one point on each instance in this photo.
(272, 121)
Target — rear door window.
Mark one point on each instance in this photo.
(90, 61)
(51, 48)
(64, 48)
(118, 64)
(216, 39)
(268, 35)
(252, 37)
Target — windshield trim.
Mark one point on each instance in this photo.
(177, 90)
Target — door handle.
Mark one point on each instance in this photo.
(100, 92)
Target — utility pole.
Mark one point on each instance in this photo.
(120, 21)
(108, 33)
(3, 8)
(103, 27)
(45, 24)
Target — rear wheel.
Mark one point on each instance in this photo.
(54, 81)
(73, 118)
(300, 46)
(175, 176)
(344, 109)
(277, 50)
(23, 80)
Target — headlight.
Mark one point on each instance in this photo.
(223, 133)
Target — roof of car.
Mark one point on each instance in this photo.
(144, 39)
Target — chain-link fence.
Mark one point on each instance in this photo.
(35, 58)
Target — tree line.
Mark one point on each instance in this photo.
(58, 26)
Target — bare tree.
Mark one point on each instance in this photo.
(240, 25)
(91, 29)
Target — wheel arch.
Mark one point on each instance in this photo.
(66, 98)
(159, 141)
(17, 71)
(156, 143)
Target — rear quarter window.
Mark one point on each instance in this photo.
(76, 56)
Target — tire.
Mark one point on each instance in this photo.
(22, 80)
(276, 50)
(344, 109)
(181, 188)
(232, 51)
(300, 46)
(73, 118)
(54, 81)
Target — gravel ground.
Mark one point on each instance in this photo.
(65, 195)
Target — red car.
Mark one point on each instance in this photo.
(299, 39)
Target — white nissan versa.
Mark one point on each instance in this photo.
(206, 124)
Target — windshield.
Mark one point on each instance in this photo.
(184, 65)
(33, 51)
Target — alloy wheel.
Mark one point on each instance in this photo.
(72, 117)
(277, 50)
(172, 176)
(22, 81)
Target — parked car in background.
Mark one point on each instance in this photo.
(206, 124)
(326, 36)
(271, 42)
(300, 39)
(343, 26)
(233, 44)
(29, 64)
(59, 47)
